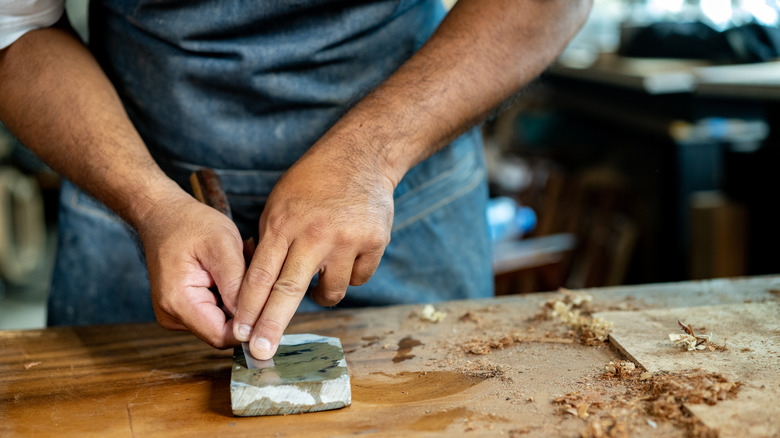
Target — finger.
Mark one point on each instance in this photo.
(286, 295)
(333, 282)
(167, 322)
(364, 268)
(258, 282)
(196, 311)
(224, 261)
(210, 323)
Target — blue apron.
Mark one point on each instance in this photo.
(246, 90)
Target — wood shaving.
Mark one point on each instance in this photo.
(686, 342)
(690, 341)
(606, 428)
(574, 311)
(577, 403)
(622, 369)
(429, 313)
(695, 387)
(659, 396)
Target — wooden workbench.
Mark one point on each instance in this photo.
(409, 376)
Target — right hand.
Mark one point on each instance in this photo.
(329, 215)
(191, 247)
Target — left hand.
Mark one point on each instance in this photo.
(191, 247)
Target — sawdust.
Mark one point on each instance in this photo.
(470, 316)
(695, 387)
(520, 431)
(484, 369)
(577, 403)
(620, 401)
(649, 399)
(622, 369)
(575, 310)
(484, 345)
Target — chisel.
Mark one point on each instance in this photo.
(308, 373)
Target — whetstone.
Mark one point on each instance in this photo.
(308, 373)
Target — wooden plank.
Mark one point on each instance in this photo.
(409, 376)
(749, 331)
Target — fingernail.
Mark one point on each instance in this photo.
(263, 348)
(244, 330)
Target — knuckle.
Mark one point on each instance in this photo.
(333, 297)
(364, 269)
(377, 243)
(374, 239)
(361, 276)
(256, 275)
(275, 225)
(233, 284)
(359, 279)
(288, 288)
(266, 325)
(315, 231)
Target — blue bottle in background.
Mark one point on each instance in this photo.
(508, 220)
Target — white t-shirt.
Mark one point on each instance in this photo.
(18, 17)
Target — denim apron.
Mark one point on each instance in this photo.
(245, 87)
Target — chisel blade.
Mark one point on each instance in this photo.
(253, 363)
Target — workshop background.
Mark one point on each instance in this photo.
(645, 154)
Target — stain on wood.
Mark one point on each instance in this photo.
(405, 346)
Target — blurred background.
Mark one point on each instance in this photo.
(647, 151)
(645, 154)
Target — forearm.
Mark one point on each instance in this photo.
(57, 101)
(482, 53)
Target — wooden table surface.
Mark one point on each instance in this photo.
(409, 376)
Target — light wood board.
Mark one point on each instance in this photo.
(751, 332)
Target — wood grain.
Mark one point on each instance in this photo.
(138, 380)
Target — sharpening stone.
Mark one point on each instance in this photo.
(308, 373)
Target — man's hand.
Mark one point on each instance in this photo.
(191, 247)
(332, 212)
(328, 214)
